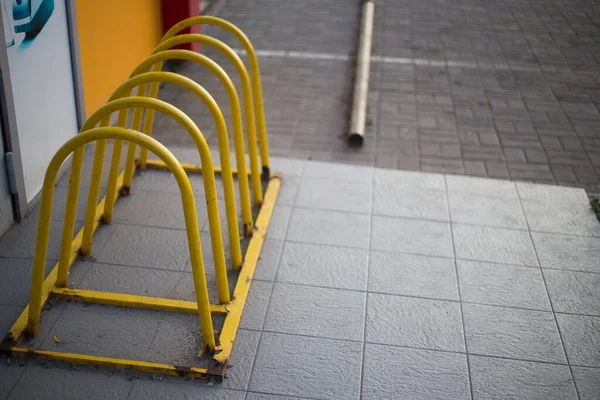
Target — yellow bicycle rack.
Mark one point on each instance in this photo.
(230, 305)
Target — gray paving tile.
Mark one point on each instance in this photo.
(288, 190)
(130, 280)
(334, 195)
(567, 252)
(256, 306)
(8, 316)
(329, 228)
(394, 372)
(17, 282)
(268, 262)
(581, 336)
(9, 375)
(484, 210)
(404, 201)
(54, 383)
(307, 367)
(313, 311)
(26, 247)
(164, 181)
(145, 389)
(548, 194)
(287, 166)
(146, 247)
(261, 396)
(562, 218)
(412, 275)
(481, 186)
(78, 271)
(587, 381)
(399, 234)
(103, 331)
(177, 340)
(242, 360)
(574, 292)
(157, 209)
(502, 285)
(280, 219)
(512, 333)
(409, 179)
(413, 322)
(493, 244)
(496, 378)
(338, 172)
(327, 266)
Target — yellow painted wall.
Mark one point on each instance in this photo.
(114, 37)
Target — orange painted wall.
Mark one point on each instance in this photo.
(114, 37)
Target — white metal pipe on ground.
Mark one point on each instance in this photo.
(361, 83)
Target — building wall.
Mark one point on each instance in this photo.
(114, 37)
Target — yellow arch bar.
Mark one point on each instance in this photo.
(77, 144)
(246, 95)
(238, 134)
(259, 109)
(227, 175)
(205, 157)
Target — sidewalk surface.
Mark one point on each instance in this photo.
(372, 282)
(504, 89)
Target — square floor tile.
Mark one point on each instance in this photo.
(278, 225)
(512, 333)
(562, 218)
(588, 382)
(307, 367)
(268, 261)
(412, 236)
(130, 280)
(574, 292)
(410, 179)
(550, 194)
(329, 227)
(15, 282)
(481, 186)
(256, 306)
(313, 311)
(8, 316)
(502, 285)
(9, 375)
(157, 209)
(39, 382)
(484, 210)
(581, 335)
(494, 245)
(149, 389)
(413, 322)
(288, 166)
(334, 195)
(288, 190)
(567, 252)
(328, 266)
(496, 378)
(338, 172)
(412, 275)
(146, 247)
(401, 373)
(410, 202)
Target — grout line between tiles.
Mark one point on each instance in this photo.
(462, 318)
(562, 341)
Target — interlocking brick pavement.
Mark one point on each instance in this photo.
(505, 89)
